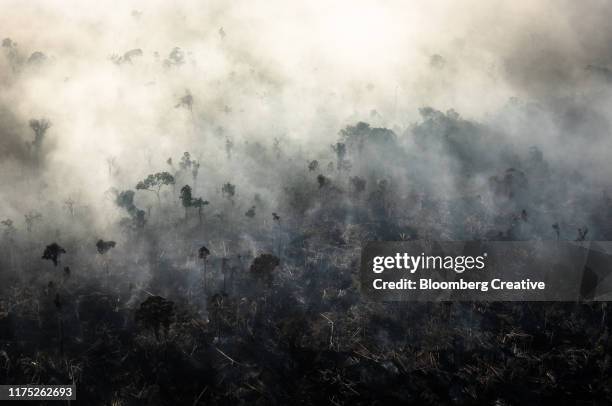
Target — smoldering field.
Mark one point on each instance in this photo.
(310, 128)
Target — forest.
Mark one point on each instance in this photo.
(172, 235)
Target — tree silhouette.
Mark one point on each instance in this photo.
(53, 252)
(110, 163)
(126, 57)
(263, 266)
(30, 219)
(104, 246)
(228, 191)
(188, 164)
(276, 218)
(340, 149)
(12, 53)
(188, 201)
(9, 227)
(186, 198)
(185, 163)
(251, 212)
(154, 183)
(203, 254)
(199, 203)
(195, 169)
(358, 184)
(37, 58)
(228, 148)
(175, 58)
(69, 203)
(40, 128)
(322, 181)
(186, 101)
(125, 200)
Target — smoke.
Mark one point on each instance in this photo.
(114, 78)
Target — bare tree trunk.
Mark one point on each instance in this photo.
(61, 333)
(223, 263)
(204, 277)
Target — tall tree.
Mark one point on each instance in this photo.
(186, 198)
(228, 148)
(30, 219)
(154, 183)
(53, 252)
(125, 200)
(203, 254)
(188, 201)
(340, 149)
(40, 128)
(199, 203)
(229, 191)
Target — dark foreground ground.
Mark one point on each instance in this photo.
(269, 340)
